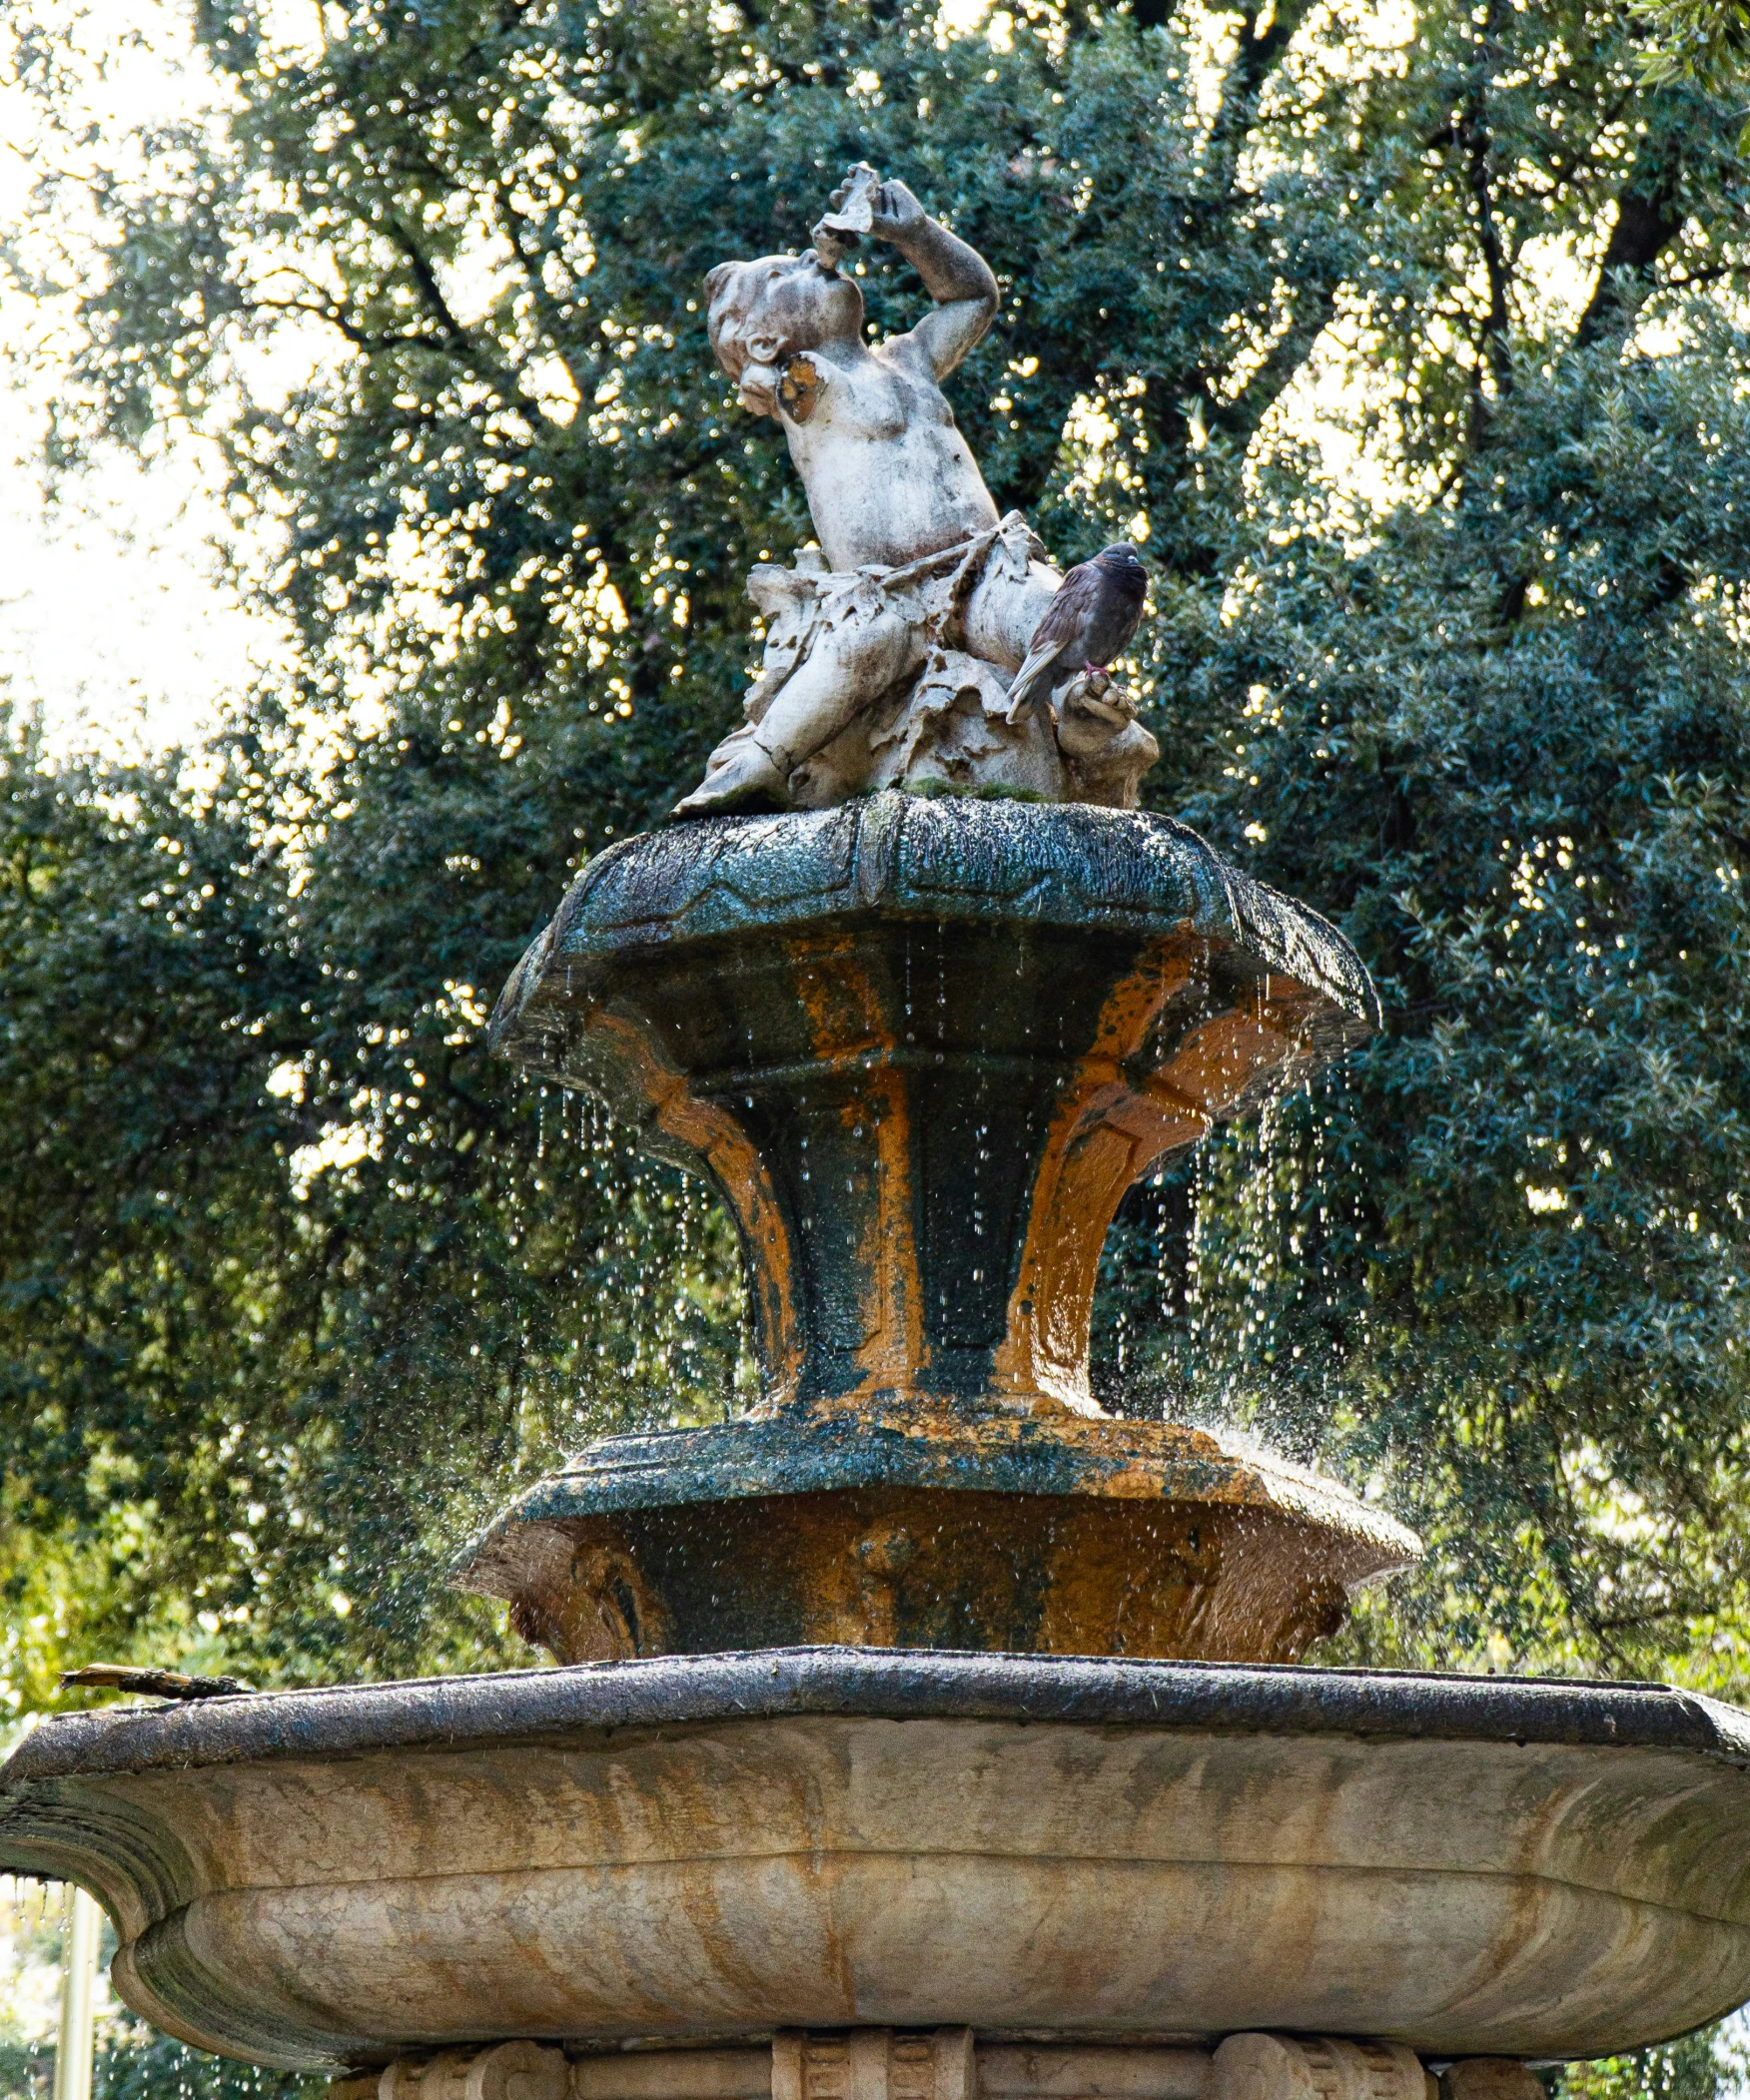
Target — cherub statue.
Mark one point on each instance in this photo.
(890, 652)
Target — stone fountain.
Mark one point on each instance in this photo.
(926, 1733)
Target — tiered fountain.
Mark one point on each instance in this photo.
(925, 1731)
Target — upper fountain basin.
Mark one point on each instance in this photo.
(923, 1047)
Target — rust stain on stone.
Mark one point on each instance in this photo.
(708, 1129)
(586, 1598)
(853, 1038)
(1221, 1580)
(925, 1053)
(1103, 1136)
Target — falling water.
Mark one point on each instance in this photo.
(32, 1931)
(1230, 1287)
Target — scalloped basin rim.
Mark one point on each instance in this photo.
(796, 1452)
(1067, 865)
(886, 1684)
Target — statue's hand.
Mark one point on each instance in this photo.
(864, 204)
(896, 213)
(860, 178)
(892, 209)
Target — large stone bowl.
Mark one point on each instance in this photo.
(699, 1847)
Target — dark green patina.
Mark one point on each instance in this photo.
(930, 971)
(923, 1046)
(796, 1454)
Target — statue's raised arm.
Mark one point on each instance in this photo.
(889, 654)
(955, 275)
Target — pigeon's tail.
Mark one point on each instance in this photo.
(1033, 681)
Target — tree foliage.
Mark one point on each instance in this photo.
(1411, 345)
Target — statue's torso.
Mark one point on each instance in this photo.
(889, 477)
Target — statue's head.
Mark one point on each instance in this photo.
(761, 313)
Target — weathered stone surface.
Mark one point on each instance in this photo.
(935, 718)
(715, 1848)
(1490, 2078)
(874, 2063)
(673, 2074)
(890, 648)
(923, 1049)
(1136, 2070)
(942, 2063)
(1058, 1536)
(1314, 2068)
(1106, 871)
(945, 2063)
(518, 2070)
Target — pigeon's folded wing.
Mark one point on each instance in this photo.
(1059, 624)
(1033, 680)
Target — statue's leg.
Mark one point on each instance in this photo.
(1007, 605)
(848, 664)
(740, 774)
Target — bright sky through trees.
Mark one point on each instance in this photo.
(115, 619)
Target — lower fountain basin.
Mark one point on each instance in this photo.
(721, 1845)
(1017, 1535)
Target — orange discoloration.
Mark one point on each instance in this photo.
(1224, 1580)
(895, 1349)
(1111, 1127)
(1142, 1583)
(1218, 1062)
(1102, 1137)
(583, 1596)
(1167, 1545)
(924, 1186)
(725, 1148)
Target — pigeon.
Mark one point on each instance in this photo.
(160, 1684)
(1098, 607)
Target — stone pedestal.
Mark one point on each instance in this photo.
(948, 2063)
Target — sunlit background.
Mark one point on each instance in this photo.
(117, 629)
(116, 626)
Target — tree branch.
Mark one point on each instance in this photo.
(1292, 349)
(1648, 219)
(1477, 141)
(1258, 54)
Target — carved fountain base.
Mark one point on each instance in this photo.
(949, 2063)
